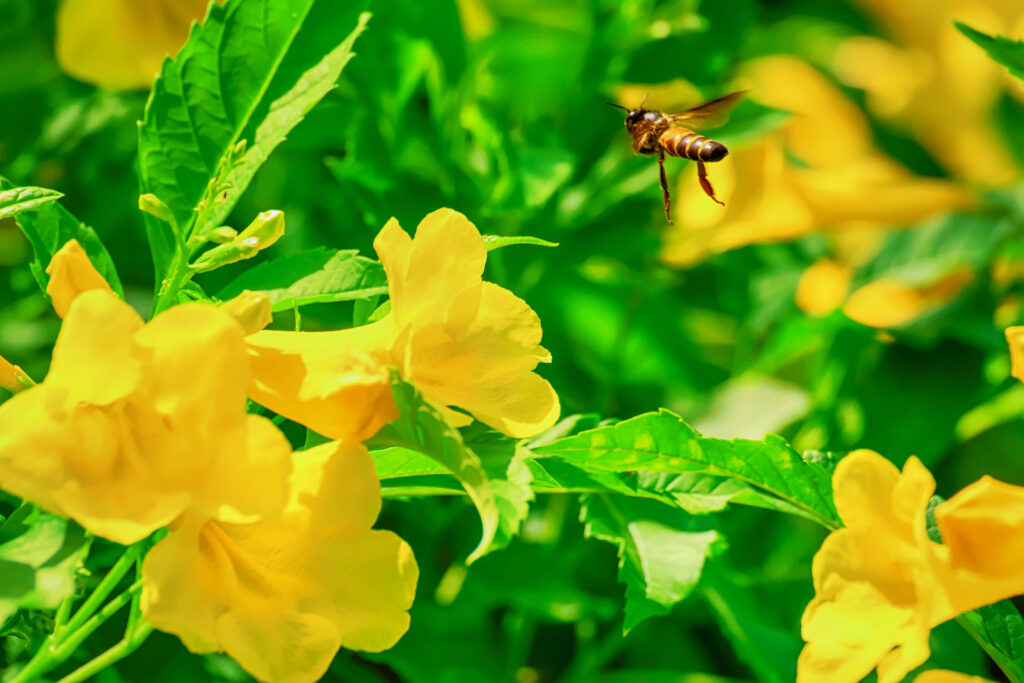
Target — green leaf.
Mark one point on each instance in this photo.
(660, 553)
(314, 276)
(662, 442)
(504, 460)
(422, 428)
(1006, 51)
(769, 649)
(251, 71)
(49, 226)
(493, 242)
(18, 199)
(999, 629)
(39, 556)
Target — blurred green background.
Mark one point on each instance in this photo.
(885, 144)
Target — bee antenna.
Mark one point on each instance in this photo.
(617, 105)
(643, 100)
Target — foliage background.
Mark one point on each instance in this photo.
(495, 108)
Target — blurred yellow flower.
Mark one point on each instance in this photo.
(121, 43)
(942, 676)
(823, 287)
(1015, 338)
(820, 171)
(137, 423)
(71, 273)
(890, 302)
(881, 584)
(12, 377)
(281, 597)
(935, 81)
(462, 341)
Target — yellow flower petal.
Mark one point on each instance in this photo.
(942, 676)
(136, 424)
(93, 359)
(71, 273)
(251, 310)
(281, 597)
(881, 584)
(463, 342)
(1015, 338)
(316, 379)
(121, 43)
(983, 527)
(889, 302)
(823, 287)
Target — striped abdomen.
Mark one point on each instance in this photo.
(683, 142)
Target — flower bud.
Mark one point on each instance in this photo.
(13, 378)
(261, 233)
(152, 205)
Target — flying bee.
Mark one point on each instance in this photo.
(655, 132)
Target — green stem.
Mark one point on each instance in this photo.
(132, 640)
(51, 654)
(71, 643)
(105, 588)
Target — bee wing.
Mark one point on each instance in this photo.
(711, 114)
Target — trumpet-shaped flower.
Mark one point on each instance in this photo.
(121, 43)
(282, 596)
(463, 342)
(881, 584)
(937, 83)
(137, 423)
(820, 171)
(882, 303)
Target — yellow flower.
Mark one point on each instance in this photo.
(823, 287)
(462, 341)
(881, 584)
(282, 596)
(121, 43)
(935, 81)
(942, 676)
(71, 273)
(137, 423)
(820, 171)
(1015, 338)
(890, 302)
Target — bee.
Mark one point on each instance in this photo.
(655, 132)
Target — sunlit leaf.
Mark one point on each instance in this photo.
(1006, 51)
(39, 556)
(18, 199)
(422, 428)
(660, 552)
(249, 73)
(662, 442)
(314, 276)
(49, 226)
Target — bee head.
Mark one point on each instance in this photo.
(635, 116)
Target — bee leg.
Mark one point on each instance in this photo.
(702, 176)
(664, 189)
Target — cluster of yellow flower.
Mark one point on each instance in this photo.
(882, 584)
(271, 556)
